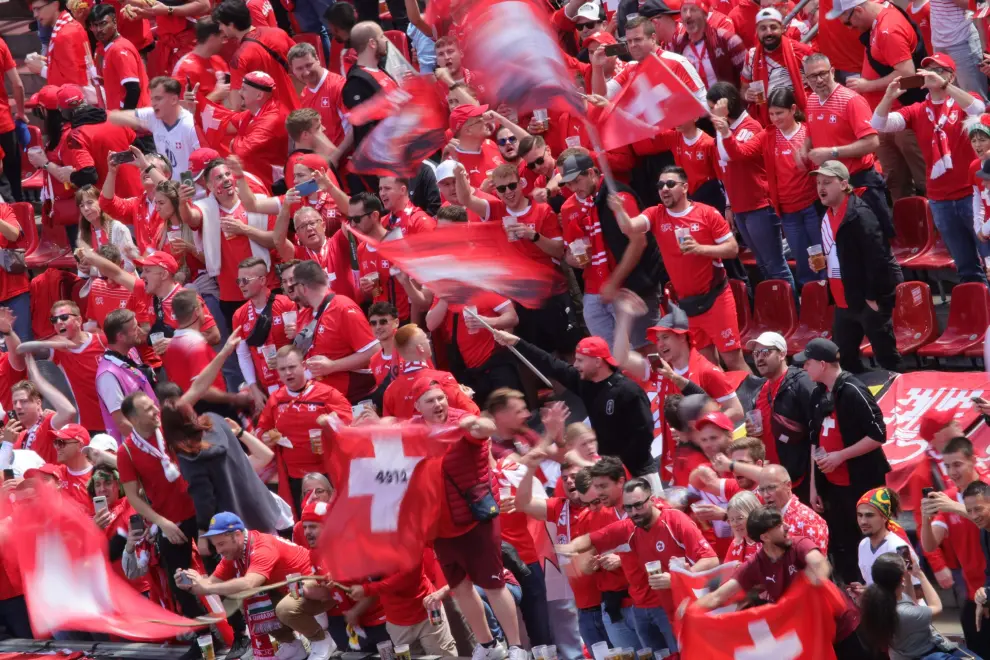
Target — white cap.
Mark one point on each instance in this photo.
(840, 7)
(769, 14)
(768, 340)
(590, 11)
(445, 170)
(103, 442)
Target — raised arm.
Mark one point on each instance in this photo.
(466, 196)
(65, 412)
(202, 382)
(280, 235)
(109, 269)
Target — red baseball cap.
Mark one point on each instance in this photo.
(73, 432)
(460, 115)
(934, 421)
(260, 80)
(199, 158)
(940, 60)
(48, 468)
(161, 259)
(719, 419)
(600, 37)
(315, 511)
(422, 385)
(69, 96)
(596, 347)
(46, 97)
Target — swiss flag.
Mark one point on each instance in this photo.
(800, 626)
(211, 125)
(390, 491)
(68, 582)
(652, 100)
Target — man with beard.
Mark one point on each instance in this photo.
(710, 43)
(538, 172)
(125, 80)
(654, 533)
(774, 62)
(876, 514)
(117, 375)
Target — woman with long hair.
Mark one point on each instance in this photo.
(97, 228)
(892, 618)
(792, 191)
(178, 239)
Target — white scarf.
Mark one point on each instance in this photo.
(212, 235)
(159, 452)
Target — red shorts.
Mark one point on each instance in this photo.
(475, 554)
(719, 325)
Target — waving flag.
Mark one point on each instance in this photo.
(390, 490)
(68, 582)
(690, 586)
(800, 626)
(413, 126)
(652, 100)
(211, 125)
(515, 53)
(470, 264)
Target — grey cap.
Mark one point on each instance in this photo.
(573, 165)
(832, 168)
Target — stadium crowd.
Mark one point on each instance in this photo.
(223, 182)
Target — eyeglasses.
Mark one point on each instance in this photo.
(374, 322)
(818, 76)
(59, 443)
(241, 281)
(669, 183)
(507, 140)
(940, 71)
(536, 163)
(61, 317)
(508, 186)
(354, 219)
(635, 506)
(586, 26)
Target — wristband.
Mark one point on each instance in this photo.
(239, 433)
(732, 467)
(536, 236)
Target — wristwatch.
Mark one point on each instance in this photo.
(536, 236)
(835, 152)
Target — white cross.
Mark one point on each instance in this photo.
(209, 123)
(646, 103)
(385, 477)
(766, 645)
(55, 572)
(827, 425)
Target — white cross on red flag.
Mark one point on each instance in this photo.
(389, 494)
(653, 99)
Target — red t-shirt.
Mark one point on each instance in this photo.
(795, 189)
(764, 404)
(742, 550)
(234, 250)
(186, 357)
(257, 57)
(325, 99)
(245, 319)
(830, 439)
(104, 297)
(67, 52)
(200, 71)
(73, 485)
(120, 63)
(745, 182)
(964, 539)
(570, 525)
(401, 595)
(697, 158)
(6, 64)
(8, 377)
(515, 526)
(954, 184)
(268, 555)
(262, 14)
(411, 220)
(168, 498)
(690, 274)
(11, 285)
(335, 262)
(342, 331)
(382, 365)
(687, 458)
(143, 305)
(479, 164)
(841, 119)
(39, 438)
(79, 366)
(391, 290)
(538, 217)
(892, 40)
(398, 401)
(294, 414)
(922, 17)
(141, 212)
(610, 580)
(477, 346)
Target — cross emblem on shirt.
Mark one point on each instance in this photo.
(827, 425)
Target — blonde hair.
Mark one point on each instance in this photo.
(575, 431)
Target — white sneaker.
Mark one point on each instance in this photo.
(496, 652)
(518, 653)
(321, 650)
(293, 650)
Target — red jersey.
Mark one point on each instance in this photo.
(697, 157)
(342, 330)
(140, 212)
(922, 17)
(801, 520)
(410, 220)
(143, 305)
(6, 64)
(8, 377)
(745, 183)
(66, 54)
(73, 485)
(475, 346)
(791, 189)
(267, 555)
(830, 439)
(168, 498)
(841, 119)
(690, 274)
(335, 259)
(579, 219)
(254, 54)
(741, 550)
(892, 41)
(187, 356)
(88, 146)
(325, 99)
(261, 141)
(10, 284)
(294, 415)
(200, 71)
(679, 65)
(383, 365)
(391, 290)
(234, 250)
(963, 537)
(401, 595)
(104, 297)
(39, 438)
(570, 525)
(615, 580)
(245, 318)
(840, 42)
(539, 217)
(515, 526)
(79, 366)
(921, 118)
(398, 402)
(262, 14)
(119, 62)
(479, 164)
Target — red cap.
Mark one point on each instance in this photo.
(260, 80)
(460, 115)
(719, 419)
(199, 158)
(934, 421)
(601, 37)
(48, 468)
(313, 162)
(940, 60)
(73, 432)
(69, 96)
(159, 258)
(315, 511)
(46, 97)
(596, 347)
(422, 385)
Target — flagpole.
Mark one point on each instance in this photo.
(596, 142)
(514, 350)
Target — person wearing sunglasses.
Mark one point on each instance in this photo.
(508, 144)
(540, 172)
(76, 470)
(311, 242)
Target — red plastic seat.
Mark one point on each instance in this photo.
(24, 213)
(31, 178)
(914, 318)
(743, 314)
(773, 310)
(400, 41)
(747, 257)
(313, 40)
(969, 315)
(816, 316)
(51, 247)
(917, 244)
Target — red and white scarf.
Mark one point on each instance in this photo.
(941, 155)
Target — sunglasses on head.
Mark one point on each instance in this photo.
(536, 163)
(506, 140)
(669, 183)
(61, 317)
(508, 186)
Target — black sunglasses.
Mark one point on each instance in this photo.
(61, 317)
(374, 322)
(508, 140)
(508, 186)
(354, 219)
(669, 183)
(635, 505)
(536, 163)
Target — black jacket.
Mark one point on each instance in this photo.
(864, 258)
(858, 416)
(359, 87)
(791, 421)
(618, 408)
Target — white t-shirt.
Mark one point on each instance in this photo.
(950, 23)
(174, 142)
(867, 555)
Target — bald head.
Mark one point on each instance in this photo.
(366, 34)
(775, 485)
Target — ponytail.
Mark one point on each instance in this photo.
(878, 604)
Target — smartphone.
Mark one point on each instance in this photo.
(186, 179)
(905, 554)
(8, 474)
(308, 188)
(182, 580)
(978, 399)
(11, 416)
(226, 77)
(99, 503)
(189, 85)
(617, 50)
(655, 361)
(925, 492)
(912, 82)
(121, 157)
(137, 522)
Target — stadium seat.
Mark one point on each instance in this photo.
(914, 318)
(400, 41)
(313, 40)
(914, 227)
(51, 248)
(746, 257)
(24, 213)
(969, 314)
(31, 178)
(743, 314)
(773, 310)
(816, 316)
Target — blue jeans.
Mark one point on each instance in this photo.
(309, 14)
(592, 626)
(654, 629)
(20, 305)
(621, 634)
(490, 614)
(534, 606)
(599, 316)
(565, 629)
(967, 55)
(957, 653)
(761, 232)
(803, 229)
(954, 221)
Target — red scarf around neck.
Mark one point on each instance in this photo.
(793, 66)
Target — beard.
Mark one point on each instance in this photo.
(784, 545)
(771, 43)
